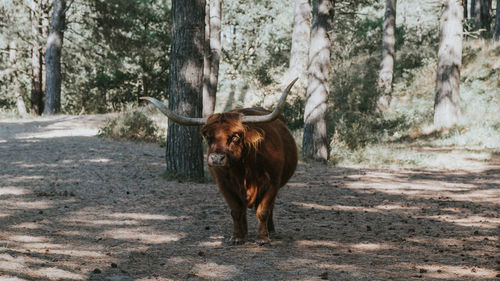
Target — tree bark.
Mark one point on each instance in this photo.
(486, 14)
(446, 105)
(388, 54)
(14, 80)
(208, 101)
(482, 14)
(464, 4)
(53, 58)
(212, 56)
(477, 13)
(473, 9)
(37, 102)
(300, 40)
(44, 21)
(315, 145)
(184, 154)
(496, 32)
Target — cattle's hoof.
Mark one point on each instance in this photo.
(263, 241)
(236, 241)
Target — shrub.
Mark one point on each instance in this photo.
(132, 125)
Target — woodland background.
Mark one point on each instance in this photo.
(401, 198)
(117, 51)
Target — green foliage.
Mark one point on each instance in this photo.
(116, 51)
(412, 114)
(132, 125)
(256, 47)
(353, 122)
(14, 26)
(294, 113)
(124, 54)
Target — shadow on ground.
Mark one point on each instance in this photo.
(84, 208)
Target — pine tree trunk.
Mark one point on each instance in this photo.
(44, 21)
(473, 9)
(36, 61)
(482, 14)
(315, 145)
(496, 32)
(213, 48)
(184, 155)
(486, 14)
(14, 80)
(464, 4)
(208, 101)
(53, 59)
(300, 41)
(446, 105)
(388, 54)
(477, 13)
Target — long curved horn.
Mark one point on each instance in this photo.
(276, 112)
(181, 120)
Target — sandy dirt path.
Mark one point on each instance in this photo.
(77, 207)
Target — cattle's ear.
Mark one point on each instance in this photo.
(253, 137)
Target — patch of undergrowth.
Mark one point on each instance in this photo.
(397, 137)
(132, 125)
(11, 114)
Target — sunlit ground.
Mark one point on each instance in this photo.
(76, 207)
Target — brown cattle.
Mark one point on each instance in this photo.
(251, 154)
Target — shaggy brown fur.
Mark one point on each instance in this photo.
(259, 159)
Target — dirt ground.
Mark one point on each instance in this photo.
(77, 207)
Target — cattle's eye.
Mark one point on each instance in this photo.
(208, 139)
(235, 138)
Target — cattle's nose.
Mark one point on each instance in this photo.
(216, 159)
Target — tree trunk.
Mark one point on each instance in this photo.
(477, 13)
(315, 145)
(21, 107)
(300, 41)
(44, 21)
(446, 105)
(486, 14)
(53, 58)
(184, 154)
(473, 9)
(496, 32)
(388, 53)
(212, 57)
(464, 4)
(482, 14)
(208, 101)
(36, 61)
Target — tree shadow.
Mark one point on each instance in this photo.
(85, 208)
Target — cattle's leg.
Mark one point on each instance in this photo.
(264, 216)
(240, 227)
(236, 205)
(270, 222)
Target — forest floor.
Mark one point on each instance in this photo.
(74, 206)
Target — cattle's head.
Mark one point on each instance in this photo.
(229, 139)
(227, 134)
